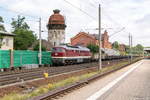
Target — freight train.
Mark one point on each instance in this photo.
(65, 54)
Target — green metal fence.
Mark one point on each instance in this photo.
(25, 57)
(4, 58)
(22, 57)
(46, 58)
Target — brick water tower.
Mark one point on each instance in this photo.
(56, 29)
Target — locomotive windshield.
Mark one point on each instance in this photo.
(58, 50)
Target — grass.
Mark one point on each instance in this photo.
(51, 86)
(46, 88)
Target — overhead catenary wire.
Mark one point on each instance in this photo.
(117, 32)
(30, 20)
(112, 20)
(81, 10)
(106, 14)
(109, 17)
(46, 20)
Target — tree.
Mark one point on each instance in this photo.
(2, 28)
(1, 39)
(115, 45)
(139, 47)
(93, 48)
(19, 23)
(24, 36)
(1, 19)
(36, 47)
(127, 49)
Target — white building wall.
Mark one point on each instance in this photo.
(7, 43)
(56, 37)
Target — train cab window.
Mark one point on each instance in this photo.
(58, 50)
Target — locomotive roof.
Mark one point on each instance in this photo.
(74, 47)
(111, 52)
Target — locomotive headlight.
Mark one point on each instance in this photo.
(56, 54)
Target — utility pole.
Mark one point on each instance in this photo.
(129, 47)
(40, 49)
(100, 59)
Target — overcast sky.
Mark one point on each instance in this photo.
(134, 15)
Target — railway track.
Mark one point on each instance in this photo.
(13, 77)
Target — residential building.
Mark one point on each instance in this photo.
(83, 39)
(105, 40)
(6, 41)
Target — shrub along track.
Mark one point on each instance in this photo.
(16, 77)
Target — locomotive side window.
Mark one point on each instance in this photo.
(58, 50)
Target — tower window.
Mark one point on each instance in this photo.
(54, 43)
(7, 42)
